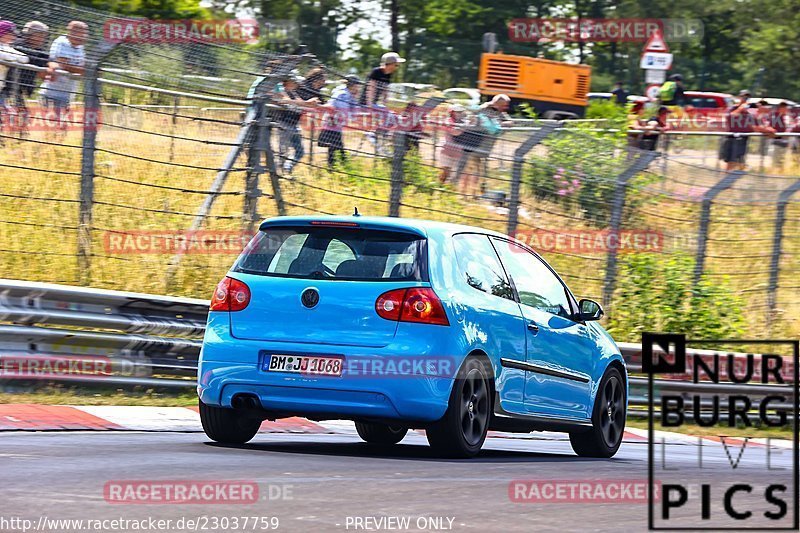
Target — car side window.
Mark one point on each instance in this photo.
(536, 284)
(479, 265)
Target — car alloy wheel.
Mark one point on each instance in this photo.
(612, 416)
(474, 407)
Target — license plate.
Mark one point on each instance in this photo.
(305, 364)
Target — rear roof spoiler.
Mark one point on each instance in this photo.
(356, 223)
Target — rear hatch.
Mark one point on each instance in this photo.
(348, 267)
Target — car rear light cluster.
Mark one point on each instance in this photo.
(417, 304)
(230, 295)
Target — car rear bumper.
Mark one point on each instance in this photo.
(421, 398)
(383, 383)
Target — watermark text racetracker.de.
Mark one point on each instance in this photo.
(175, 241)
(226, 31)
(603, 30)
(592, 241)
(197, 491)
(607, 491)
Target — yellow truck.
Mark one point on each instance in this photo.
(554, 89)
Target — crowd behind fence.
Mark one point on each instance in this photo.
(162, 191)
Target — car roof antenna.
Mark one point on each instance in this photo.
(355, 211)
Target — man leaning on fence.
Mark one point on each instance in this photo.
(22, 81)
(8, 54)
(66, 54)
(289, 121)
(478, 140)
(345, 105)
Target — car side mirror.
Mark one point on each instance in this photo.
(589, 310)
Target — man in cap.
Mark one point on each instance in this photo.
(374, 95)
(377, 85)
(66, 54)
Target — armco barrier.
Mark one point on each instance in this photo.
(150, 340)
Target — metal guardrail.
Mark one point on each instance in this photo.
(148, 340)
(155, 341)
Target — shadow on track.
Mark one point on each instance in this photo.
(403, 451)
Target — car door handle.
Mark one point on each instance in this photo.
(533, 327)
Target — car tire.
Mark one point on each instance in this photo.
(608, 419)
(462, 430)
(380, 433)
(228, 426)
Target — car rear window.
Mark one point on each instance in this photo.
(335, 253)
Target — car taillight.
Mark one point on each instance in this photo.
(417, 304)
(230, 295)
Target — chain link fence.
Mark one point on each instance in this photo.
(161, 191)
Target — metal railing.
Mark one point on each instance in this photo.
(155, 341)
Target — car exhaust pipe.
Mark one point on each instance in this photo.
(245, 401)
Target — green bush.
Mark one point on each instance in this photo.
(577, 169)
(655, 293)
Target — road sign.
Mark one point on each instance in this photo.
(656, 61)
(655, 76)
(653, 91)
(656, 43)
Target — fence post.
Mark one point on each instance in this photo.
(254, 170)
(777, 241)
(91, 106)
(172, 129)
(516, 171)
(620, 191)
(398, 158)
(264, 139)
(705, 219)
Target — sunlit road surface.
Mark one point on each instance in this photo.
(337, 483)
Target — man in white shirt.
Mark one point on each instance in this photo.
(66, 53)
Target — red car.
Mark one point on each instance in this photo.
(703, 111)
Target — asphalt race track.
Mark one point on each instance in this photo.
(326, 482)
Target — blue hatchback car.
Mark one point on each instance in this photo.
(398, 323)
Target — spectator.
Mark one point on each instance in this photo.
(376, 89)
(653, 128)
(479, 138)
(634, 123)
(496, 110)
(733, 150)
(620, 94)
(412, 121)
(288, 120)
(452, 151)
(32, 42)
(344, 103)
(66, 53)
(672, 92)
(8, 53)
(311, 89)
(781, 121)
(375, 95)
